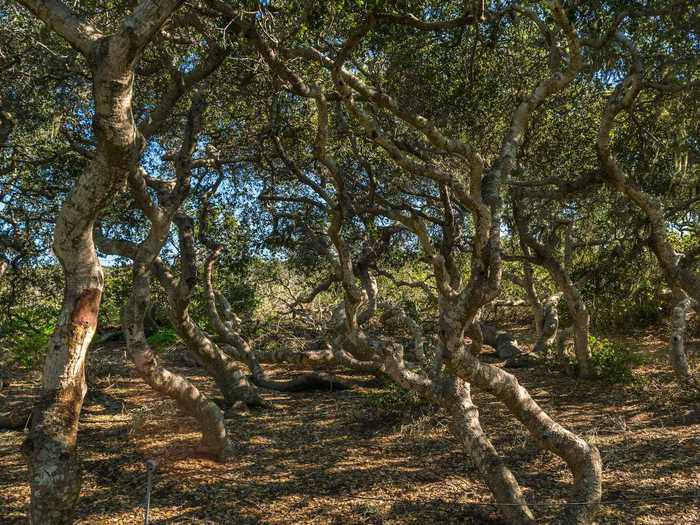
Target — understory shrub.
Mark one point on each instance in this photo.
(24, 339)
(394, 399)
(164, 337)
(611, 360)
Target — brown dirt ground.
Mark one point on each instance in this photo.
(342, 457)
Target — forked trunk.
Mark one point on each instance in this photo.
(454, 396)
(582, 459)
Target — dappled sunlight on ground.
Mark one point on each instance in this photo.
(337, 457)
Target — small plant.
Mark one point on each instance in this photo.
(395, 399)
(30, 348)
(612, 361)
(25, 339)
(163, 338)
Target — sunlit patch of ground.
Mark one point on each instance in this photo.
(340, 458)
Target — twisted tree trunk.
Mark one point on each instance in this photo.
(454, 396)
(545, 256)
(582, 459)
(229, 378)
(226, 325)
(677, 270)
(51, 445)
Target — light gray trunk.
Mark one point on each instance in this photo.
(505, 344)
(679, 359)
(582, 459)
(188, 398)
(51, 445)
(454, 396)
(54, 469)
(549, 323)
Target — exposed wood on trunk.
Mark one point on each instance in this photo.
(51, 445)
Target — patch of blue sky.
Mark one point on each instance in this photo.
(189, 62)
(152, 158)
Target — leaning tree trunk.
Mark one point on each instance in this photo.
(230, 379)
(51, 445)
(226, 322)
(582, 459)
(454, 396)
(544, 255)
(54, 467)
(188, 398)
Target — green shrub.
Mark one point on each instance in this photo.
(164, 337)
(25, 339)
(612, 361)
(394, 399)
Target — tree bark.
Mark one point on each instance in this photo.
(51, 445)
(454, 396)
(583, 459)
(549, 323)
(679, 359)
(188, 398)
(544, 256)
(226, 325)
(230, 379)
(506, 345)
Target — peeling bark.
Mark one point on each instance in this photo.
(51, 445)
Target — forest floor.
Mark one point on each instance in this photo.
(357, 456)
